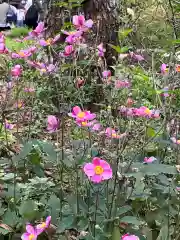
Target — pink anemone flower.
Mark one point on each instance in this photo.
(164, 68)
(52, 123)
(129, 237)
(150, 159)
(44, 225)
(16, 71)
(30, 234)
(101, 50)
(80, 23)
(81, 116)
(98, 171)
(68, 50)
(106, 74)
(72, 37)
(111, 133)
(38, 30)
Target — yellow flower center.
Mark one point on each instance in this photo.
(43, 225)
(43, 70)
(48, 41)
(31, 236)
(178, 141)
(84, 124)
(21, 54)
(147, 111)
(99, 170)
(114, 135)
(178, 69)
(81, 114)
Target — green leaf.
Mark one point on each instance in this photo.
(54, 205)
(49, 149)
(4, 231)
(132, 220)
(10, 218)
(124, 33)
(24, 152)
(155, 169)
(116, 48)
(28, 209)
(150, 132)
(124, 210)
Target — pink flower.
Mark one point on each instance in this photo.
(44, 225)
(68, 50)
(165, 92)
(45, 43)
(149, 160)
(81, 116)
(53, 123)
(178, 68)
(111, 133)
(19, 104)
(174, 140)
(106, 74)
(136, 57)
(29, 90)
(95, 126)
(129, 237)
(79, 82)
(38, 30)
(16, 71)
(178, 188)
(80, 23)
(122, 84)
(72, 36)
(8, 125)
(23, 53)
(98, 171)
(164, 69)
(3, 48)
(30, 234)
(101, 50)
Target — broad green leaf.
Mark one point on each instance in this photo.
(54, 205)
(123, 210)
(10, 218)
(28, 209)
(49, 149)
(150, 132)
(131, 219)
(154, 169)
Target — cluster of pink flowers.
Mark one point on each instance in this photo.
(139, 112)
(98, 171)
(75, 37)
(33, 232)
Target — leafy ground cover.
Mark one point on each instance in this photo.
(87, 151)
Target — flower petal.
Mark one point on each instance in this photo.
(30, 229)
(89, 169)
(96, 178)
(25, 236)
(76, 110)
(96, 161)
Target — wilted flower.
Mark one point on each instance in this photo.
(81, 116)
(8, 125)
(111, 133)
(80, 23)
(101, 50)
(174, 140)
(136, 57)
(129, 102)
(79, 82)
(30, 234)
(44, 225)
(129, 237)
(149, 160)
(98, 171)
(164, 68)
(122, 84)
(16, 71)
(53, 123)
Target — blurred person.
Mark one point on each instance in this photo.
(4, 7)
(20, 16)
